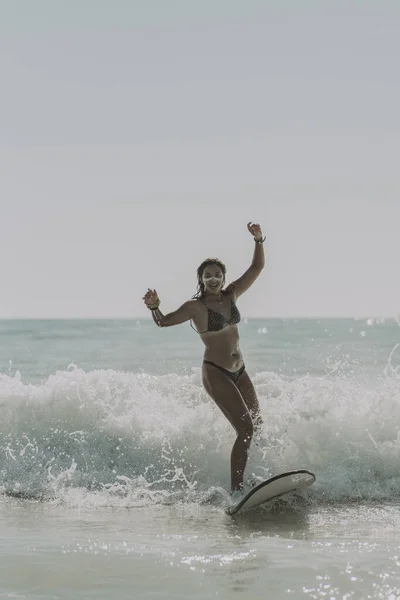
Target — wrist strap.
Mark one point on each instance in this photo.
(261, 240)
(154, 307)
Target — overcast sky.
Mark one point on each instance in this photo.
(139, 137)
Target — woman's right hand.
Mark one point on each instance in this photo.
(151, 298)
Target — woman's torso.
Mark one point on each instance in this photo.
(216, 323)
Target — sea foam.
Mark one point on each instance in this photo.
(122, 439)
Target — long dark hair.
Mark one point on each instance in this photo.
(207, 263)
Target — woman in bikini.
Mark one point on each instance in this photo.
(215, 316)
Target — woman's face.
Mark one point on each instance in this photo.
(213, 279)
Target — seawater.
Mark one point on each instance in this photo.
(114, 463)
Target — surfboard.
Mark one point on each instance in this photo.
(272, 488)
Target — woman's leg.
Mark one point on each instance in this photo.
(246, 388)
(228, 398)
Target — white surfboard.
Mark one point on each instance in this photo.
(272, 488)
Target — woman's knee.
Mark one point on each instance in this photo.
(246, 432)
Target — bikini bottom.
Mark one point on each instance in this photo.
(232, 376)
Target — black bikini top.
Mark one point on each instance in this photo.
(217, 321)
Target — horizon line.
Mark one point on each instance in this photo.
(148, 318)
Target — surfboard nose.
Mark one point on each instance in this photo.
(270, 489)
(302, 479)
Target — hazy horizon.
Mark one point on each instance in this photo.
(138, 139)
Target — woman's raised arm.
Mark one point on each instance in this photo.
(242, 284)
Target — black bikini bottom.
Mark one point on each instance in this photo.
(233, 376)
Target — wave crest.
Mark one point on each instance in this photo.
(115, 438)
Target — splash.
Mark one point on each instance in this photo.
(111, 438)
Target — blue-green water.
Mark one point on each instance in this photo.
(290, 347)
(114, 463)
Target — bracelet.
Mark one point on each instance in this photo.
(261, 240)
(154, 307)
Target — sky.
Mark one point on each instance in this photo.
(138, 138)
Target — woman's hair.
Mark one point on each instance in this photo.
(207, 263)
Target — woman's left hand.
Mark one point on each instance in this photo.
(255, 230)
(151, 299)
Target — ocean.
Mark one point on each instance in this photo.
(114, 463)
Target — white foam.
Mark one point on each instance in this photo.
(111, 438)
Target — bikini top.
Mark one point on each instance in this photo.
(217, 321)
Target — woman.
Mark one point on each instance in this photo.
(215, 316)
